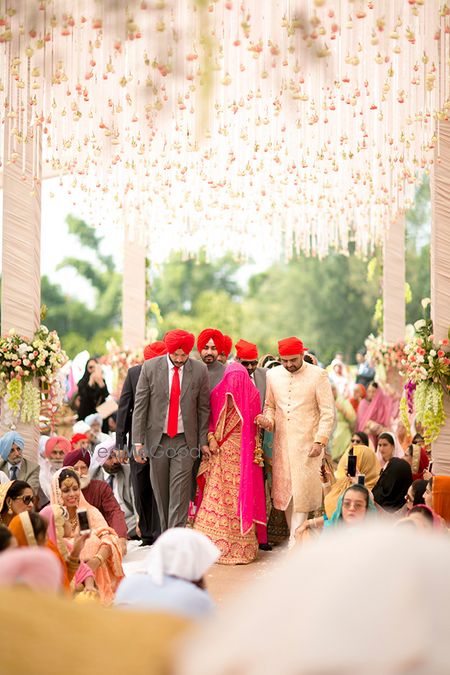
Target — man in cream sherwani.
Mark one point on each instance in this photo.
(300, 410)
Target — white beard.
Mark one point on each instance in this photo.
(84, 481)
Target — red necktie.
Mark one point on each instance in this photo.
(174, 404)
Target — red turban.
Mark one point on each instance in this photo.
(227, 345)
(154, 349)
(246, 351)
(179, 339)
(210, 334)
(75, 456)
(53, 441)
(78, 437)
(290, 346)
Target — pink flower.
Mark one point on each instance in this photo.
(441, 353)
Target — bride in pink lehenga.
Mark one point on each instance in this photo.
(231, 507)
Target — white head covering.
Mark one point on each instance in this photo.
(91, 419)
(80, 427)
(398, 450)
(42, 441)
(181, 552)
(364, 623)
(101, 454)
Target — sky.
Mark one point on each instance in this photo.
(57, 243)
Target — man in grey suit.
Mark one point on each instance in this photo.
(170, 424)
(14, 464)
(247, 355)
(210, 345)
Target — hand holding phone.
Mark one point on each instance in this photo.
(83, 520)
(351, 466)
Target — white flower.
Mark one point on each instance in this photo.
(425, 302)
(419, 358)
(420, 324)
(432, 352)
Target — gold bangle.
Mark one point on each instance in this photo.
(211, 436)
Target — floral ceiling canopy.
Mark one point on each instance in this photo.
(304, 125)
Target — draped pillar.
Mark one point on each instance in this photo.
(21, 258)
(394, 315)
(134, 292)
(440, 275)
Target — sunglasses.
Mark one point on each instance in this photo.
(27, 499)
(356, 440)
(249, 363)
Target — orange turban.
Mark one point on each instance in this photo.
(246, 351)
(179, 339)
(210, 334)
(154, 349)
(227, 345)
(290, 346)
(53, 441)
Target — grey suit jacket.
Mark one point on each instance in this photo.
(216, 371)
(29, 472)
(260, 383)
(152, 401)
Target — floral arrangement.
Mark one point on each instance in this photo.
(28, 369)
(120, 359)
(426, 367)
(384, 354)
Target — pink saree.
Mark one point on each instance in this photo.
(231, 506)
(375, 416)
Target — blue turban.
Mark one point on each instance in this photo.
(6, 443)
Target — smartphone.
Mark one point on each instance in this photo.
(351, 466)
(83, 519)
(361, 479)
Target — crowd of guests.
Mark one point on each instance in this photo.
(246, 451)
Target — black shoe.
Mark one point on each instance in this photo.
(265, 547)
(147, 542)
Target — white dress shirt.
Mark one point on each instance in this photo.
(171, 369)
(129, 515)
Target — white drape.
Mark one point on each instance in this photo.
(394, 282)
(440, 274)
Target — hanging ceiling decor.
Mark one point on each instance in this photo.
(223, 124)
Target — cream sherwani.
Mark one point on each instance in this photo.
(301, 408)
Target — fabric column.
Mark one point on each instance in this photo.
(394, 315)
(21, 258)
(134, 292)
(440, 275)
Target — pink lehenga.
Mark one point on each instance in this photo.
(231, 508)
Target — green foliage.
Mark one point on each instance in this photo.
(78, 326)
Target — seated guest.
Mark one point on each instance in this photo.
(388, 446)
(15, 497)
(102, 551)
(417, 458)
(80, 442)
(56, 447)
(174, 583)
(437, 497)
(6, 539)
(29, 529)
(366, 464)
(98, 494)
(353, 507)
(424, 518)
(35, 568)
(414, 496)
(59, 528)
(106, 466)
(395, 478)
(14, 464)
(95, 434)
